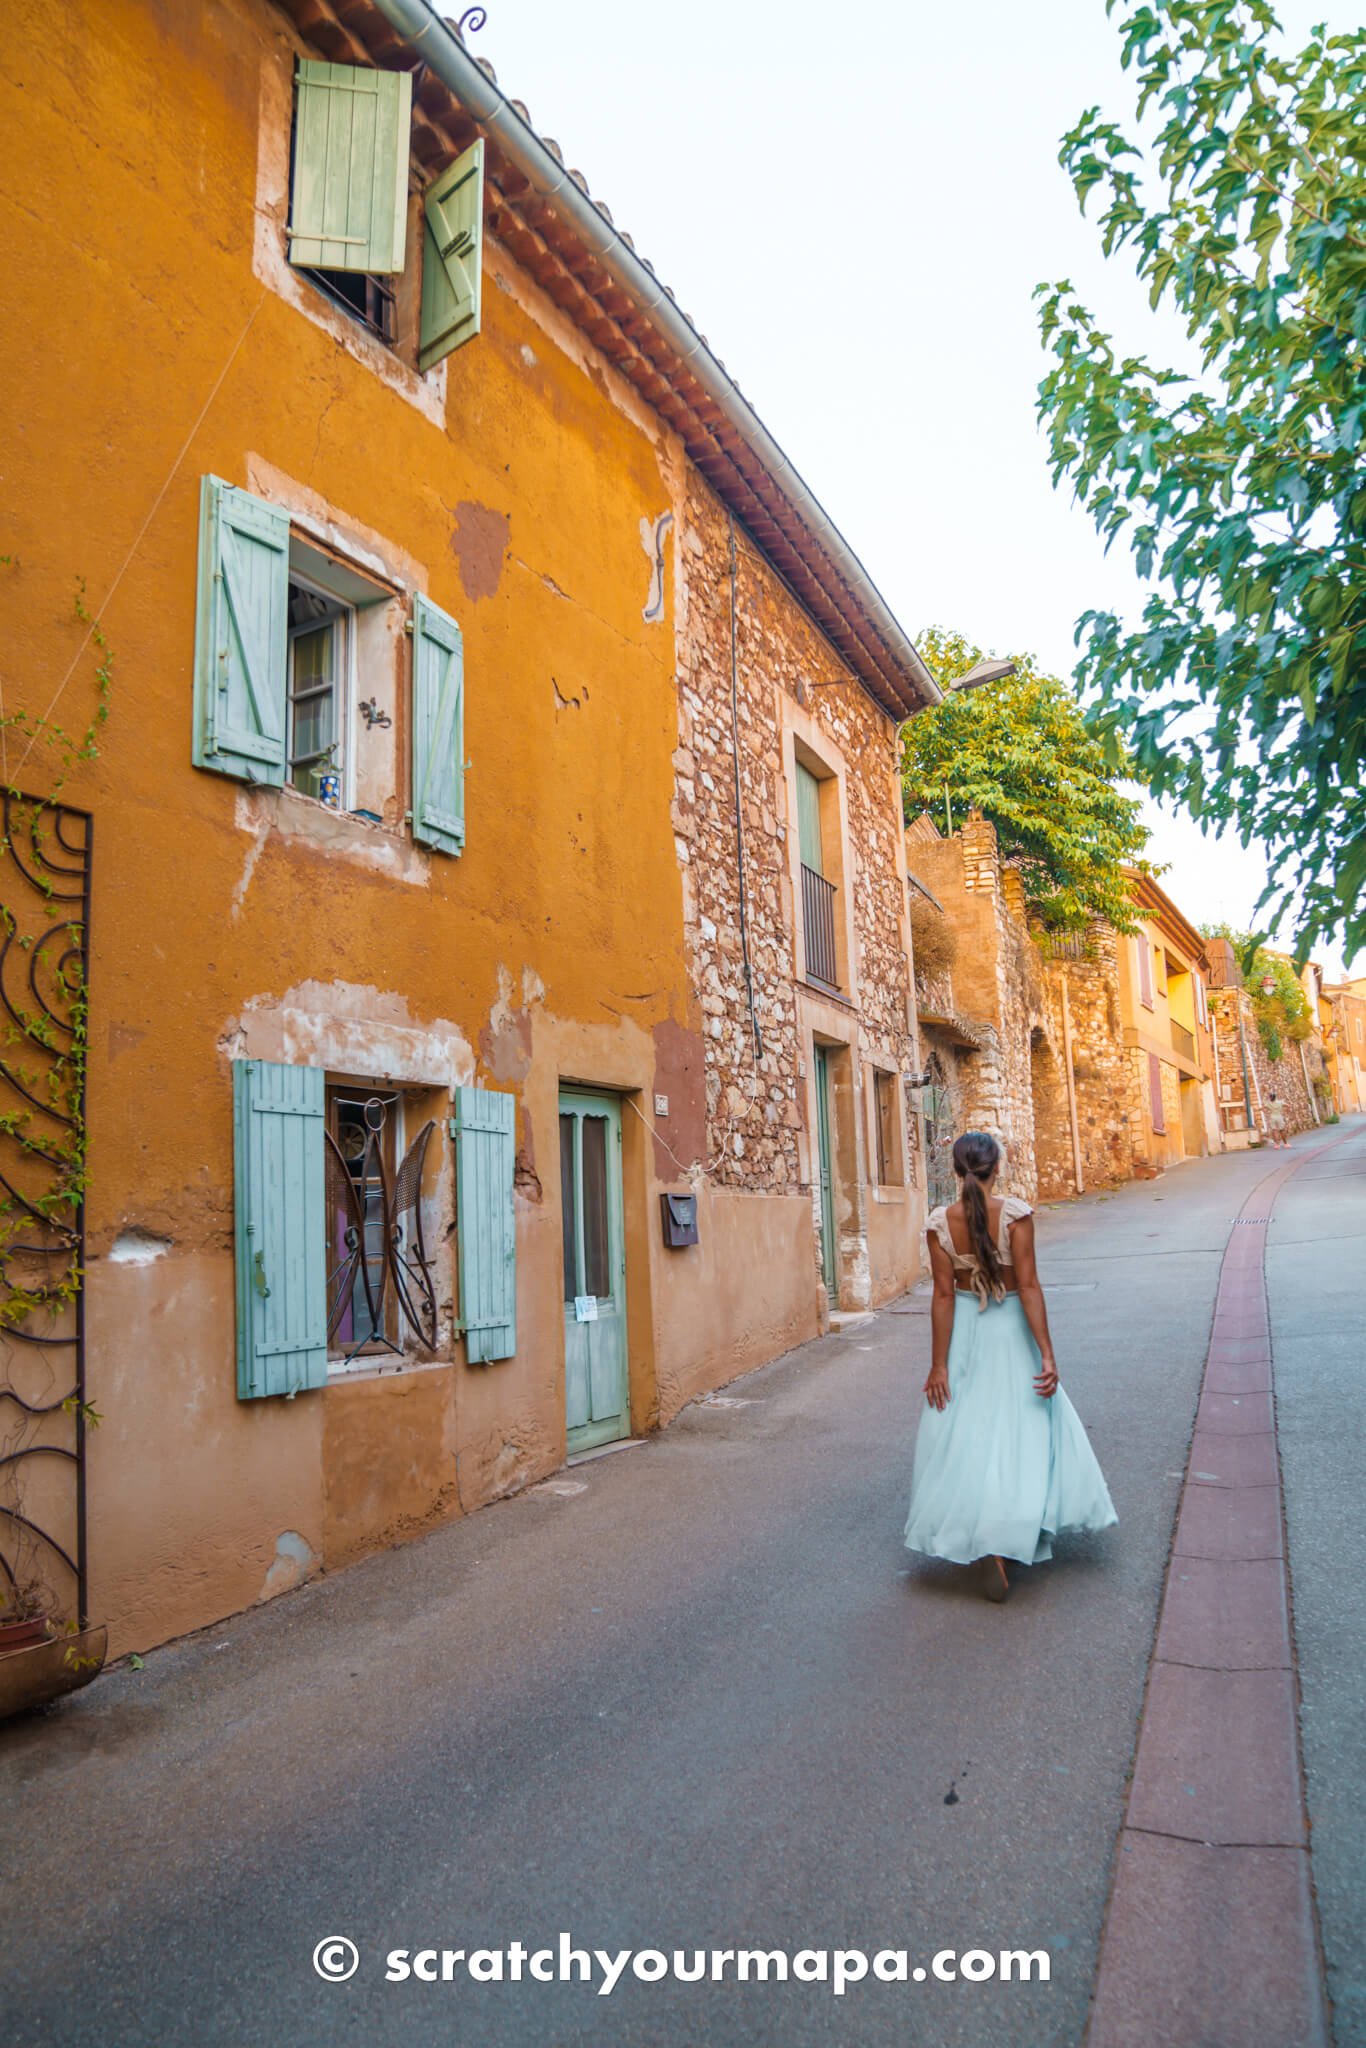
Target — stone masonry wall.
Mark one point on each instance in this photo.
(997, 986)
(1285, 1075)
(755, 1098)
(1103, 1075)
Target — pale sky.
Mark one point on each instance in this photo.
(854, 204)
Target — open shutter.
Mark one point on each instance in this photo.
(281, 1221)
(486, 1144)
(438, 729)
(241, 635)
(349, 202)
(452, 257)
(1155, 1094)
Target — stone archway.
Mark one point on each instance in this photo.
(1052, 1124)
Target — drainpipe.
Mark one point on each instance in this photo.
(442, 51)
(1071, 1083)
(1313, 1100)
(1242, 1041)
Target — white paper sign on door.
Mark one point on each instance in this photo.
(585, 1308)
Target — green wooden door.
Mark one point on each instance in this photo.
(598, 1408)
(827, 1185)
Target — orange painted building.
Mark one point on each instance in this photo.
(399, 501)
(1164, 978)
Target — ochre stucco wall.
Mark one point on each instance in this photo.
(149, 356)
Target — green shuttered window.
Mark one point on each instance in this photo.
(809, 820)
(241, 624)
(281, 1228)
(486, 1126)
(438, 729)
(349, 197)
(452, 257)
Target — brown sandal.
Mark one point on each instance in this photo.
(995, 1583)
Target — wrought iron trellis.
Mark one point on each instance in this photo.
(399, 1260)
(45, 874)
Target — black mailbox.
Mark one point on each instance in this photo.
(680, 1220)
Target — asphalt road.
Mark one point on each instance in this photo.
(695, 1694)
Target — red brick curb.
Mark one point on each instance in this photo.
(1210, 1935)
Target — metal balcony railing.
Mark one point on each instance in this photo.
(1183, 1041)
(818, 922)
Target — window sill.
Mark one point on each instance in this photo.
(340, 1372)
(825, 992)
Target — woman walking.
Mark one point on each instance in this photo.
(1275, 1120)
(1002, 1462)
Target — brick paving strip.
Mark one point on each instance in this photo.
(1210, 1937)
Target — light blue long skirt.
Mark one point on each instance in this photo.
(1001, 1471)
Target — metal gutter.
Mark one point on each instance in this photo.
(444, 54)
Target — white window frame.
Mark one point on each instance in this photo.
(343, 617)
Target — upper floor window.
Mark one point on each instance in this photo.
(818, 890)
(282, 627)
(349, 228)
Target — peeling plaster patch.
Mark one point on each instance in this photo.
(529, 356)
(295, 1561)
(533, 988)
(652, 540)
(137, 1247)
(296, 820)
(124, 1038)
(563, 703)
(479, 544)
(505, 1041)
(508, 1473)
(351, 1029)
(254, 852)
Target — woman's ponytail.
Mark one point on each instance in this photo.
(975, 1158)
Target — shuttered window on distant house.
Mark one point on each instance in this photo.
(281, 1224)
(1155, 1094)
(486, 1146)
(809, 820)
(1145, 970)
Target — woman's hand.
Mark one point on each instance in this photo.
(1046, 1382)
(937, 1387)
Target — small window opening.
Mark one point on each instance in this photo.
(368, 297)
(319, 628)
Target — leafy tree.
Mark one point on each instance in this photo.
(1282, 1012)
(1019, 751)
(1242, 488)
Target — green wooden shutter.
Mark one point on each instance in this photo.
(349, 202)
(438, 729)
(241, 635)
(486, 1145)
(809, 820)
(281, 1222)
(452, 257)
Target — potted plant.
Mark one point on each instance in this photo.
(24, 1619)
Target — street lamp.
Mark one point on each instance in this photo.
(1268, 984)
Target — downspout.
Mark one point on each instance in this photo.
(739, 807)
(1218, 1078)
(1313, 1104)
(446, 56)
(1071, 1082)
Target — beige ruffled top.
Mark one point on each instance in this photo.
(1012, 1209)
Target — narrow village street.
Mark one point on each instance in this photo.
(696, 1694)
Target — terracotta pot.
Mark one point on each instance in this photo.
(22, 1635)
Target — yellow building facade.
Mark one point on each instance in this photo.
(1165, 1023)
(414, 1161)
